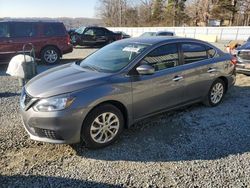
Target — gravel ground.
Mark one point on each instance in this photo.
(195, 146)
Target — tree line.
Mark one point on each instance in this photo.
(137, 13)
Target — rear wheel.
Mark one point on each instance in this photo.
(216, 93)
(102, 126)
(50, 55)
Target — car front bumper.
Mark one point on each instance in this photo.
(61, 127)
(243, 67)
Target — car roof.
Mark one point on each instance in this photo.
(165, 39)
(29, 21)
(160, 39)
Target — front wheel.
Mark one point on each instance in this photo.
(216, 93)
(102, 126)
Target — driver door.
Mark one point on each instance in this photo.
(161, 90)
(88, 37)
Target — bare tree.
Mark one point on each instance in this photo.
(173, 12)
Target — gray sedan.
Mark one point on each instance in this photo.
(95, 99)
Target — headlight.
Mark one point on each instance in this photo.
(53, 104)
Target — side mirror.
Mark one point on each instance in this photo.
(145, 70)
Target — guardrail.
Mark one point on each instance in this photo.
(210, 33)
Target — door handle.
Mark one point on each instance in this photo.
(211, 70)
(177, 78)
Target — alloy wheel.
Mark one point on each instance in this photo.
(50, 56)
(217, 93)
(104, 127)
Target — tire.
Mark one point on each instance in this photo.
(98, 135)
(216, 93)
(50, 55)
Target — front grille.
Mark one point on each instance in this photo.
(47, 134)
(27, 99)
(244, 55)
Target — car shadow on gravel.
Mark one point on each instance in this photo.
(191, 133)
(8, 94)
(48, 181)
(41, 66)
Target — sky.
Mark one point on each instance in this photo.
(48, 8)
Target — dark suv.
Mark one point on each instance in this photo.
(50, 39)
(93, 36)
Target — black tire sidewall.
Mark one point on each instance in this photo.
(210, 103)
(85, 133)
(50, 48)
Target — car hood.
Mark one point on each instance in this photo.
(245, 46)
(63, 79)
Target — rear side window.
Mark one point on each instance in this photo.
(193, 52)
(165, 34)
(163, 57)
(4, 30)
(54, 29)
(108, 32)
(211, 52)
(99, 32)
(21, 29)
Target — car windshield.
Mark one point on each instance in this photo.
(80, 30)
(113, 57)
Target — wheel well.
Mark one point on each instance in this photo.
(54, 46)
(118, 105)
(224, 79)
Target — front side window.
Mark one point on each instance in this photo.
(89, 32)
(163, 57)
(113, 57)
(99, 32)
(4, 30)
(193, 52)
(23, 30)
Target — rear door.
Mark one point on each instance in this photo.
(53, 33)
(199, 69)
(164, 89)
(6, 50)
(100, 36)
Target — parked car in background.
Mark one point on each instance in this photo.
(243, 58)
(233, 45)
(93, 36)
(50, 39)
(159, 33)
(123, 34)
(118, 85)
(71, 31)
